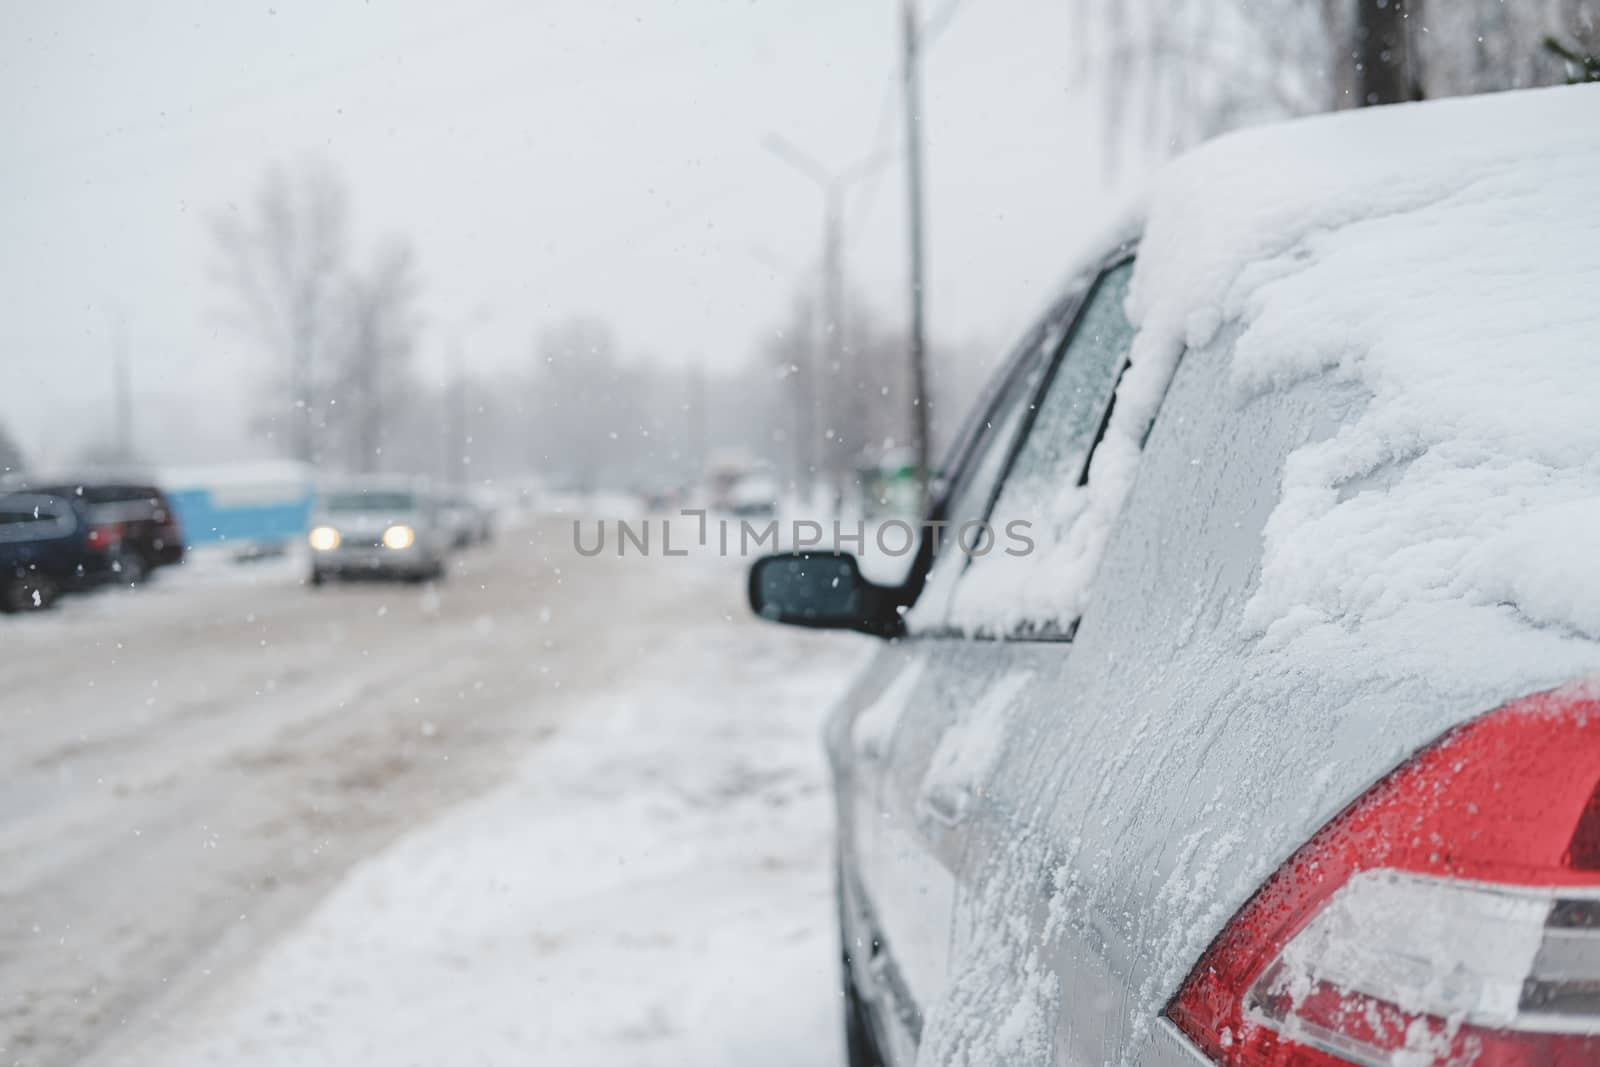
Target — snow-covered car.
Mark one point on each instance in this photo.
(1281, 746)
(381, 528)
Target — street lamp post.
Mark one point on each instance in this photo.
(912, 82)
(844, 428)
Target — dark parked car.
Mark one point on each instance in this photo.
(49, 545)
(1277, 743)
(148, 533)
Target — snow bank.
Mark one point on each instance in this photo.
(1446, 259)
(655, 888)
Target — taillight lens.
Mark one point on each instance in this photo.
(1450, 916)
(105, 537)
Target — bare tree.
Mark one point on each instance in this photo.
(1475, 46)
(585, 408)
(11, 459)
(1174, 72)
(379, 329)
(281, 258)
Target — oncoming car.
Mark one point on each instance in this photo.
(1282, 749)
(378, 529)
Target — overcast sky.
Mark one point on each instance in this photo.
(546, 158)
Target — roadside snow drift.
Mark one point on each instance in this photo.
(655, 887)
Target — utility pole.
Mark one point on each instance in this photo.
(834, 412)
(837, 440)
(912, 79)
(122, 401)
(697, 415)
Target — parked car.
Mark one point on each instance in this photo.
(149, 535)
(48, 546)
(1280, 747)
(381, 528)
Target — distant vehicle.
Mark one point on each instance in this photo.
(149, 533)
(736, 483)
(750, 495)
(658, 500)
(1278, 745)
(468, 520)
(379, 529)
(49, 546)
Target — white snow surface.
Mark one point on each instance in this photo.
(655, 887)
(1445, 258)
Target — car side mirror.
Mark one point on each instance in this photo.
(822, 590)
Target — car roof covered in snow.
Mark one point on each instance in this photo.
(1445, 257)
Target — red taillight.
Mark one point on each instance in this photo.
(105, 537)
(1450, 916)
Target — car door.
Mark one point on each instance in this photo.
(867, 746)
(919, 738)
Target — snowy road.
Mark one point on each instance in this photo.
(187, 772)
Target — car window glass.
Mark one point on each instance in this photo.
(24, 518)
(1041, 488)
(970, 496)
(1076, 400)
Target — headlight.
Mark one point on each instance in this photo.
(324, 539)
(398, 537)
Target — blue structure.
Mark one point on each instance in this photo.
(248, 504)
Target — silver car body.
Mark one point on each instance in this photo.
(362, 512)
(1040, 837)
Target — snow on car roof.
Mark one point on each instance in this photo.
(1445, 257)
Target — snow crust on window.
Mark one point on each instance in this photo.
(1000, 587)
